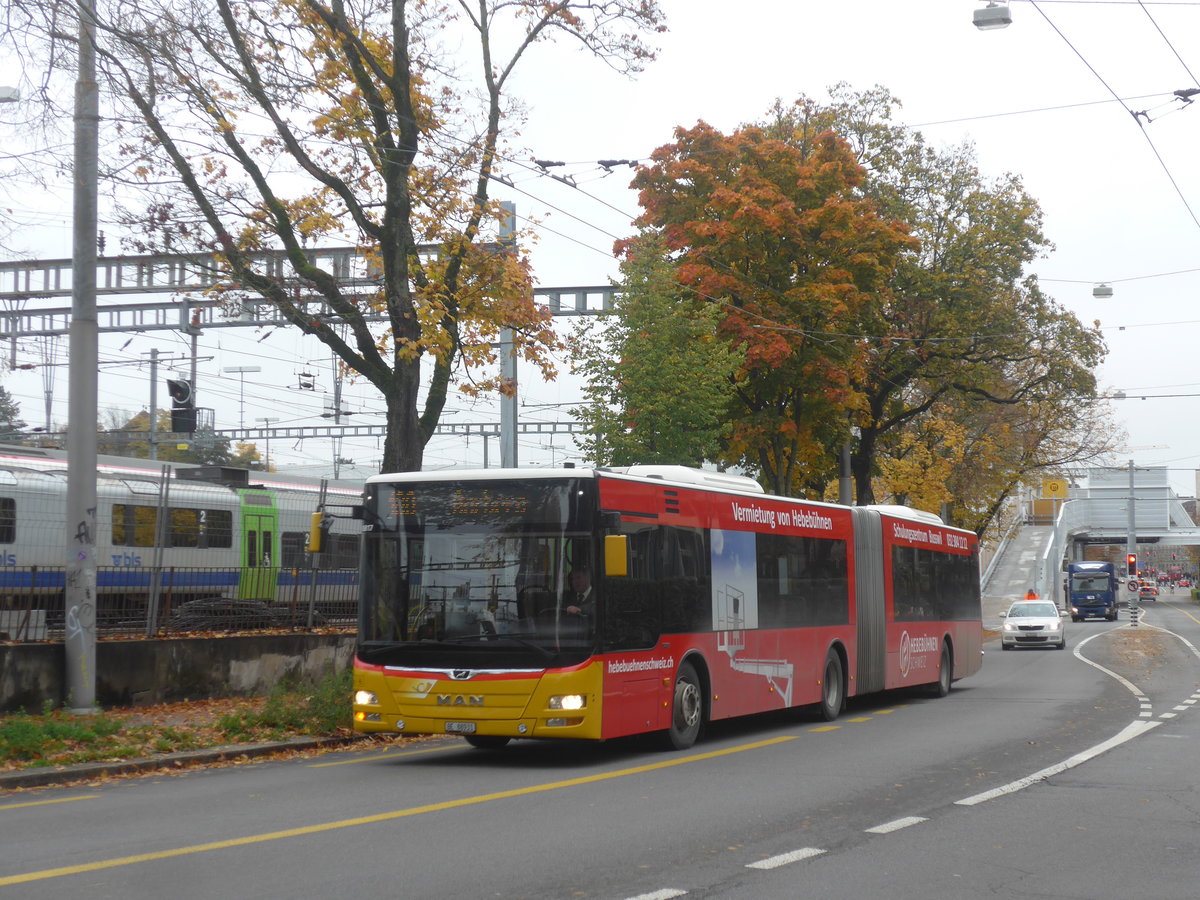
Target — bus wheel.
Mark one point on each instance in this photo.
(833, 693)
(486, 741)
(941, 687)
(687, 709)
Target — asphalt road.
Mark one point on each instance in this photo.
(1048, 774)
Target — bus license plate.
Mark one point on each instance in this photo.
(460, 727)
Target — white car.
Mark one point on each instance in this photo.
(1034, 623)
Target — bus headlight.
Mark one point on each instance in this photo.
(568, 701)
(365, 698)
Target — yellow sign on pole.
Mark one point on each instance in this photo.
(1054, 488)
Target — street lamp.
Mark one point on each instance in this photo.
(241, 371)
(992, 16)
(267, 420)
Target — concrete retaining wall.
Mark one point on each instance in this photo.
(142, 672)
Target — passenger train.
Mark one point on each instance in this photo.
(202, 533)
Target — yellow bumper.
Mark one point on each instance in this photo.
(516, 705)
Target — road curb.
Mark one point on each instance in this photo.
(28, 778)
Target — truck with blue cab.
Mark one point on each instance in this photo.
(1092, 590)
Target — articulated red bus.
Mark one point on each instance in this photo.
(598, 603)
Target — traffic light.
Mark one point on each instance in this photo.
(183, 406)
(1132, 564)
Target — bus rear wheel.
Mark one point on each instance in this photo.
(687, 709)
(487, 741)
(833, 687)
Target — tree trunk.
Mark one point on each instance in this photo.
(404, 446)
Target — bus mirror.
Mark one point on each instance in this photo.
(616, 554)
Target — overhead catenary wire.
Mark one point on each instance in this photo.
(603, 229)
(1145, 134)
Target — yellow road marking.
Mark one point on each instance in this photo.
(395, 754)
(1184, 611)
(48, 802)
(379, 817)
(861, 719)
(821, 728)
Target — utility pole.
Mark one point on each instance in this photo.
(1131, 537)
(80, 594)
(241, 371)
(337, 417)
(508, 355)
(268, 421)
(153, 429)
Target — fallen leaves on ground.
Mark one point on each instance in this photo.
(58, 738)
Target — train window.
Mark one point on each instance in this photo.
(8, 520)
(7, 477)
(346, 554)
(256, 499)
(185, 528)
(202, 528)
(133, 526)
(291, 549)
(218, 527)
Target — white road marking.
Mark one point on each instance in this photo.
(784, 858)
(1128, 733)
(896, 825)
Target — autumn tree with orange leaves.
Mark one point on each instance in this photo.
(969, 364)
(779, 238)
(380, 125)
(877, 290)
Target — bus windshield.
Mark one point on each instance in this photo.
(477, 573)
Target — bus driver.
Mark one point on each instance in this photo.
(580, 601)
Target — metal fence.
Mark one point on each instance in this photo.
(177, 601)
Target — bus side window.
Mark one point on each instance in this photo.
(687, 599)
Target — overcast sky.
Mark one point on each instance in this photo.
(1051, 98)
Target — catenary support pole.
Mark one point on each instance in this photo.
(80, 593)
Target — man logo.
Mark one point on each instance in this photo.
(461, 674)
(460, 700)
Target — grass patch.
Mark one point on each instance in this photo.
(57, 737)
